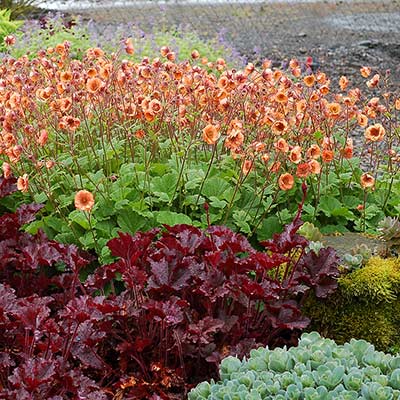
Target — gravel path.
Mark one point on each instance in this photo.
(341, 37)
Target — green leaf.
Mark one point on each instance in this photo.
(130, 221)
(40, 197)
(164, 187)
(329, 205)
(217, 187)
(80, 218)
(87, 240)
(240, 218)
(54, 223)
(268, 227)
(217, 203)
(172, 218)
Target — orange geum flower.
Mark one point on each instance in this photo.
(92, 72)
(301, 106)
(281, 97)
(365, 72)
(324, 90)
(69, 123)
(367, 181)
(154, 106)
(397, 104)
(93, 85)
(84, 200)
(314, 152)
(315, 167)
(65, 76)
(195, 54)
(211, 134)
(347, 152)
(375, 133)
(373, 82)
(234, 140)
(362, 120)
(6, 170)
(303, 170)
(281, 145)
(286, 181)
(275, 166)
(295, 155)
(43, 137)
(309, 80)
(334, 109)
(129, 49)
(23, 183)
(343, 82)
(247, 166)
(327, 156)
(279, 127)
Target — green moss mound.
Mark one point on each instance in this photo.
(366, 306)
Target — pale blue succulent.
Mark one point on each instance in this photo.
(317, 369)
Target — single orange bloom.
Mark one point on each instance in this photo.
(140, 134)
(334, 109)
(6, 170)
(362, 120)
(93, 85)
(195, 54)
(397, 104)
(279, 127)
(375, 133)
(281, 97)
(324, 90)
(43, 137)
(314, 152)
(286, 181)
(296, 72)
(265, 157)
(315, 167)
(301, 106)
(23, 183)
(66, 76)
(129, 49)
(309, 80)
(234, 140)
(155, 106)
(365, 72)
(275, 166)
(347, 152)
(343, 83)
(92, 72)
(295, 154)
(373, 82)
(367, 181)
(303, 170)
(210, 134)
(84, 200)
(327, 156)
(281, 145)
(247, 166)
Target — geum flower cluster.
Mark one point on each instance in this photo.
(284, 125)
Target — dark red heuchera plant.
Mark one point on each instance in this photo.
(179, 299)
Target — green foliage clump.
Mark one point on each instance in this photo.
(52, 30)
(7, 27)
(366, 305)
(317, 368)
(19, 8)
